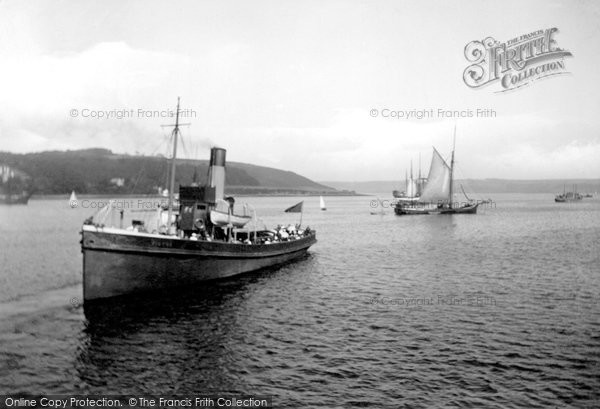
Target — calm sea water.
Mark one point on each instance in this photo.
(499, 309)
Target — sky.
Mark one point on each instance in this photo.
(294, 85)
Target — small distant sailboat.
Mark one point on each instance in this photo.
(322, 203)
(413, 187)
(568, 196)
(73, 203)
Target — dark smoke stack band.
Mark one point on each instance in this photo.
(217, 157)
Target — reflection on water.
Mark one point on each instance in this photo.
(185, 336)
(381, 312)
(197, 338)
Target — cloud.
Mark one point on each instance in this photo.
(43, 90)
(291, 89)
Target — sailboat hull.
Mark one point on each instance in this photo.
(468, 209)
(569, 197)
(118, 264)
(410, 210)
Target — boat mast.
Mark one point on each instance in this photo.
(412, 182)
(172, 181)
(452, 168)
(419, 180)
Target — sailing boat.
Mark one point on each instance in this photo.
(73, 198)
(439, 191)
(322, 203)
(413, 187)
(568, 196)
(187, 248)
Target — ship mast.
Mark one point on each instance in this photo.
(419, 181)
(172, 181)
(412, 182)
(452, 169)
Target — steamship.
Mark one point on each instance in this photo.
(201, 240)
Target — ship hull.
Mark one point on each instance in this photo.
(468, 209)
(566, 200)
(410, 211)
(119, 264)
(568, 197)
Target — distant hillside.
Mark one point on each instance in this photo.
(99, 171)
(483, 185)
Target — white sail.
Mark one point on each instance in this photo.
(322, 203)
(73, 196)
(438, 181)
(411, 188)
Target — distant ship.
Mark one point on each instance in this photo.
(15, 186)
(412, 187)
(196, 243)
(322, 203)
(568, 196)
(438, 194)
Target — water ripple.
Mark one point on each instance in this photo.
(499, 310)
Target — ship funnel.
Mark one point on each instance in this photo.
(216, 171)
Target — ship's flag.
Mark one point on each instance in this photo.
(297, 208)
